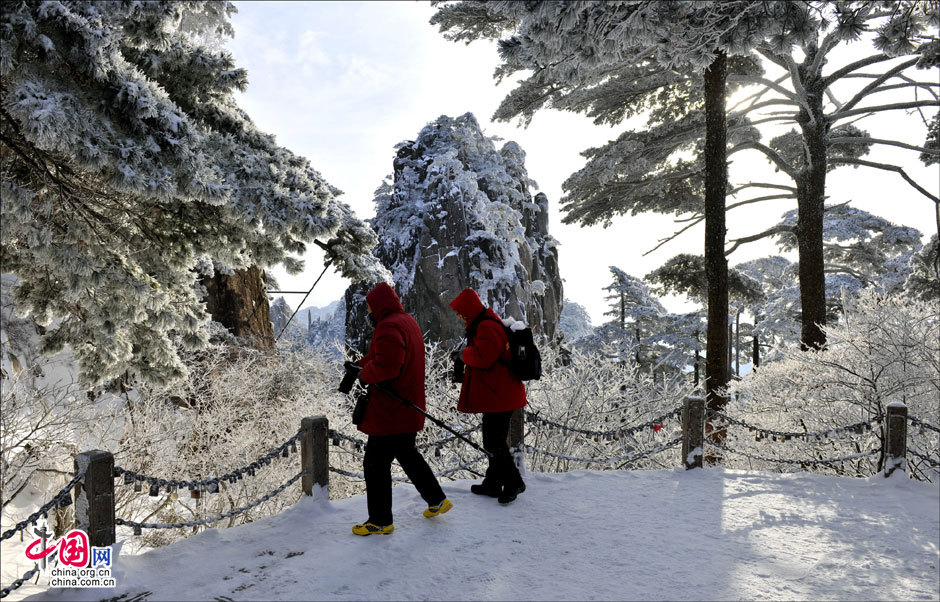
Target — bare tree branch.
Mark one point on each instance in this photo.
(844, 71)
(877, 109)
(861, 94)
(753, 79)
(850, 140)
(674, 235)
(761, 185)
(894, 168)
(770, 153)
(778, 229)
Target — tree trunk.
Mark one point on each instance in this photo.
(637, 334)
(811, 195)
(730, 348)
(239, 303)
(716, 265)
(756, 354)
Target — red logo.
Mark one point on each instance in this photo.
(658, 426)
(73, 549)
(42, 554)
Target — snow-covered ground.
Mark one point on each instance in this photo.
(646, 535)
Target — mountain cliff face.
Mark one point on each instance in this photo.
(458, 213)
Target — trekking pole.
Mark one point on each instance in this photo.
(439, 423)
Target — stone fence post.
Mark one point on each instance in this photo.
(94, 497)
(315, 455)
(895, 437)
(693, 431)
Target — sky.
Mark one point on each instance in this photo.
(342, 83)
(705, 534)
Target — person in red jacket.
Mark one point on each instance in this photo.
(396, 360)
(489, 388)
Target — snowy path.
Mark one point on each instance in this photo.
(659, 535)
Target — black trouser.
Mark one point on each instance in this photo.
(377, 465)
(502, 470)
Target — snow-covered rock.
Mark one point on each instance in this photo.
(458, 213)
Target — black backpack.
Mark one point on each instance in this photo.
(526, 361)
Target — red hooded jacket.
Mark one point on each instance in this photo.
(395, 358)
(488, 385)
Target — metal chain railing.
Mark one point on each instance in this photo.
(630, 458)
(209, 484)
(60, 500)
(19, 582)
(337, 437)
(933, 463)
(138, 527)
(444, 473)
(857, 428)
(535, 418)
(829, 461)
(918, 422)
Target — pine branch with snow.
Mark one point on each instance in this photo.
(129, 171)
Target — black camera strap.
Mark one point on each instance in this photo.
(391, 393)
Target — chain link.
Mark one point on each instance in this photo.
(337, 436)
(784, 435)
(789, 461)
(211, 484)
(630, 458)
(60, 499)
(16, 584)
(205, 521)
(533, 417)
(918, 422)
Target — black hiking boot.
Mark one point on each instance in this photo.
(509, 493)
(487, 489)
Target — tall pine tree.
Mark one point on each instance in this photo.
(128, 172)
(634, 45)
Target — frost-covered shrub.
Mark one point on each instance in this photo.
(883, 350)
(129, 171)
(37, 423)
(589, 392)
(235, 406)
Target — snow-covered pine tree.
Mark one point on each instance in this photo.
(859, 246)
(924, 281)
(458, 213)
(685, 275)
(575, 323)
(636, 314)
(821, 96)
(647, 170)
(128, 172)
(582, 45)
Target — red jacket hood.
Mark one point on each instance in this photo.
(383, 301)
(467, 304)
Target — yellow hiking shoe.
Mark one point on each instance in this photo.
(441, 508)
(372, 529)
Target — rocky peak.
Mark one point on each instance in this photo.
(458, 213)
